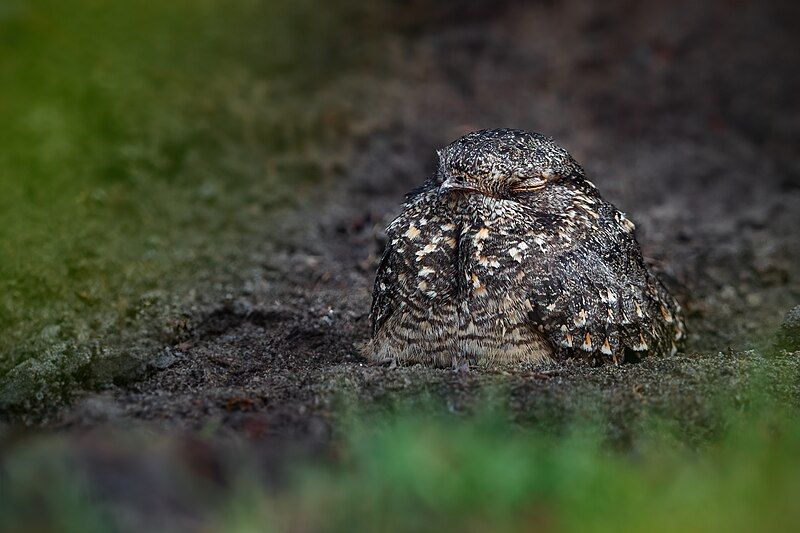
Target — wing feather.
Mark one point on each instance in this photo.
(587, 310)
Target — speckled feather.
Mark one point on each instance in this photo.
(509, 254)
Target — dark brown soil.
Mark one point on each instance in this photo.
(685, 114)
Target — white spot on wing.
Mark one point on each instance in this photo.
(425, 251)
(426, 271)
(587, 343)
(606, 348)
(412, 232)
(516, 254)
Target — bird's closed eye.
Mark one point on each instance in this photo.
(531, 184)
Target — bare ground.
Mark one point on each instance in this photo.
(685, 116)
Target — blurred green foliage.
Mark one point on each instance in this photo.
(432, 471)
(142, 144)
(445, 475)
(44, 491)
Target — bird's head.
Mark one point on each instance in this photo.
(503, 163)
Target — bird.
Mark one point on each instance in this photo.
(508, 255)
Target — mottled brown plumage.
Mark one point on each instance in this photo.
(508, 254)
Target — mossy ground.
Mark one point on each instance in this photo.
(143, 148)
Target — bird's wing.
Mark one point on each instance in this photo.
(405, 234)
(587, 309)
(417, 268)
(384, 293)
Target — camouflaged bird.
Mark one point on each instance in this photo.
(508, 254)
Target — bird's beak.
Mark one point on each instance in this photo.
(452, 184)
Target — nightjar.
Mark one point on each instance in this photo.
(508, 254)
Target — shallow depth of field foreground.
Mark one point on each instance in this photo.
(192, 210)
